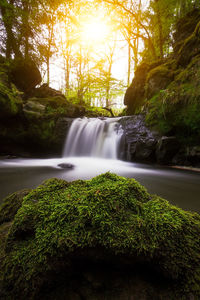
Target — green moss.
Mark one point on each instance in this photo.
(10, 205)
(42, 131)
(161, 70)
(158, 79)
(92, 112)
(59, 219)
(190, 47)
(10, 100)
(176, 110)
(53, 102)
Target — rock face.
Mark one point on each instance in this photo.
(184, 28)
(158, 79)
(139, 141)
(135, 94)
(33, 121)
(167, 148)
(141, 144)
(169, 93)
(102, 238)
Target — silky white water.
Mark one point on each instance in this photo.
(88, 146)
(94, 138)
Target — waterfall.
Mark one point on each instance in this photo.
(93, 137)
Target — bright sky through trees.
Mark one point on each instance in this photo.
(98, 40)
(97, 37)
(94, 31)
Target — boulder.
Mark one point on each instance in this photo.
(139, 140)
(44, 91)
(66, 166)
(167, 148)
(158, 79)
(11, 205)
(188, 156)
(102, 238)
(145, 150)
(136, 94)
(25, 74)
(33, 107)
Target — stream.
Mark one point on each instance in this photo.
(92, 147)
(180, 187)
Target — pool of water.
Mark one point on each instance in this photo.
(180, 187)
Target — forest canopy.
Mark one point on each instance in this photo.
(96, 45)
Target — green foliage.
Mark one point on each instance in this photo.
(9, 96)
(92, 111)
(190, 48)
(177, 109)
(161, 70)
(10, 205)
(60, 218)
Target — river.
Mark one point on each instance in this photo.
(179, 187)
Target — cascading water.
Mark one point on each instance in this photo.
(93, 137)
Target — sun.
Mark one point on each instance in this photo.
(94, 31)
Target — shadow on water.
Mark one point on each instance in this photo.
(180, 187)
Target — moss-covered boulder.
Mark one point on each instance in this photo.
(25, 74)
(135, 94)
(102, 238)
(158, 79)
(45, 91)
(10, 205)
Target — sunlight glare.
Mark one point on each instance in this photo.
(94, 31)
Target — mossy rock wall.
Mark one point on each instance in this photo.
(77, 240)
(170, 90)
(10, 100)
(175, 110)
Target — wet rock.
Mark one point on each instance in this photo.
(145, 150)
(167, 148)
(188, 156)
(66, 166)
(33, 107)
(139, 141)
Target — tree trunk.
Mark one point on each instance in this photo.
(25, 27)
(80, 79)
(48, 70)
(67, 74)
(7, 18)
(160, 29)
(129, 64)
